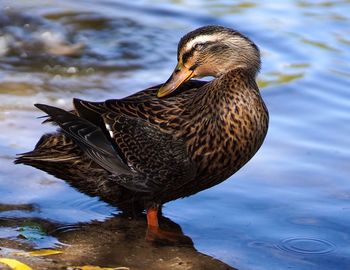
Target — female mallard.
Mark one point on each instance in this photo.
(160, 144)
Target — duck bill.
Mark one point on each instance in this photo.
(180, 75)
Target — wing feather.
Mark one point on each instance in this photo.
(89, 137)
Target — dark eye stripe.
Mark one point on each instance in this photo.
(194, 67)
(187, 55)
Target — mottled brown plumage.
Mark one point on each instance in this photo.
(165, 142)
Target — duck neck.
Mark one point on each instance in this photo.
(221, 93)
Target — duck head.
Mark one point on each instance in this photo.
(211, 51)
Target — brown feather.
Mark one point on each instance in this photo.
(174, 146)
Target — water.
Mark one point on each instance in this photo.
(288, 208)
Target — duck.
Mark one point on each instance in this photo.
(168, 141)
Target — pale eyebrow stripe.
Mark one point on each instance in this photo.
(188, 54)
(201, 39)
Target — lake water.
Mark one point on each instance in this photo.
(288, 208)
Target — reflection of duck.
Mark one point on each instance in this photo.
(165, 142)
(116, 242)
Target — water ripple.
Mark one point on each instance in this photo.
(308, 246)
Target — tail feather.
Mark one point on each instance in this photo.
(58, 155)
(53, 147)
(44, 151)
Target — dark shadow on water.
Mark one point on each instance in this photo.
(116, 242)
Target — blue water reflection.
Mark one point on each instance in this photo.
(286, 209)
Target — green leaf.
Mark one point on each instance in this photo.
(32, 232)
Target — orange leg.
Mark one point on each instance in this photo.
(152, 217)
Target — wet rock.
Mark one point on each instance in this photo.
(117, 242)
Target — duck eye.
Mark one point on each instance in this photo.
(198, 46)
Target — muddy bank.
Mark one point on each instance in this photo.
(117, 242)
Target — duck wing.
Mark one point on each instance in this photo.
(89, 137)
(159, 156)
(140, 156)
